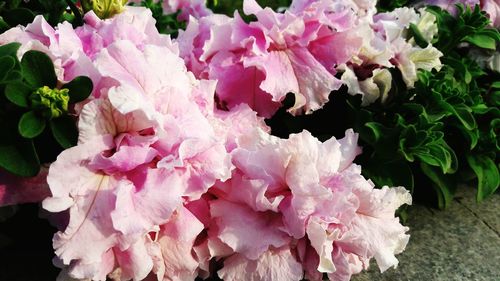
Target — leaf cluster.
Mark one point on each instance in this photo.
(30, 137)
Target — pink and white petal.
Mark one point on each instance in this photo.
(336, 49)
(206, 162)
(69, 177)
(135, 262)
(322, 241)
(99, 117)
(146, 203)
(246, 231)
(251, 192)
(126, 158)
(177, 239)
(238, 84)
(279, 74)
(90, 232)
(93, 271)
(315, 82)
(275, 264)
(349, 148)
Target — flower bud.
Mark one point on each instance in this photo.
(104, 8)
(51, 102)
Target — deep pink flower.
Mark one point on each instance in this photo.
(260, 62)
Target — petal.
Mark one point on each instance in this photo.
(277, 264)
(246, 231)
(177, 240)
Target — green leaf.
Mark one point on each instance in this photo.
(444, 185)
(38, 69)
(392, 173)
(472, 136)
(487, 174)
(14, 76)
(64, 131)
(79, 89)
(463, 113)
(18, 94)
(19, 16)
(19, 158)
(482, 41)
(9, 49)
(437, 155)
(6, 65)
(30, 125)
(496, 85)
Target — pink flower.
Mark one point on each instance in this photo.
(61, 44)
(145, 148)
(134, 24)
(187, 8)
(260, 62)
(492, 7)
(274, 264)
(306, 193)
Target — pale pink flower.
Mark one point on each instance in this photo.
(309, 192)
(135, 165)
(274, 264)
(187, 8)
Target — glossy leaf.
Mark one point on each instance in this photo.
(9, 49)
(64, 131)
(79, 89)
(31, 125)
(18, 94)
(38, 70)
(487, 174)
(7, 63)
(19, 158)
(444, 185)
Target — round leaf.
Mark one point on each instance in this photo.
(38, 69)
(18, 94)
(30, 125)
(64, 131)
(9, 49)
(19, 158)
(6, 65)
(79, 89)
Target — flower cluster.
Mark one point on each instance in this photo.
(169, 180)
(303, 49)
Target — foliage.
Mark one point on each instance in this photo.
(34, 115)
(389, 5)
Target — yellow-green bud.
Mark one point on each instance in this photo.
(51, 102)
(104, 8)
